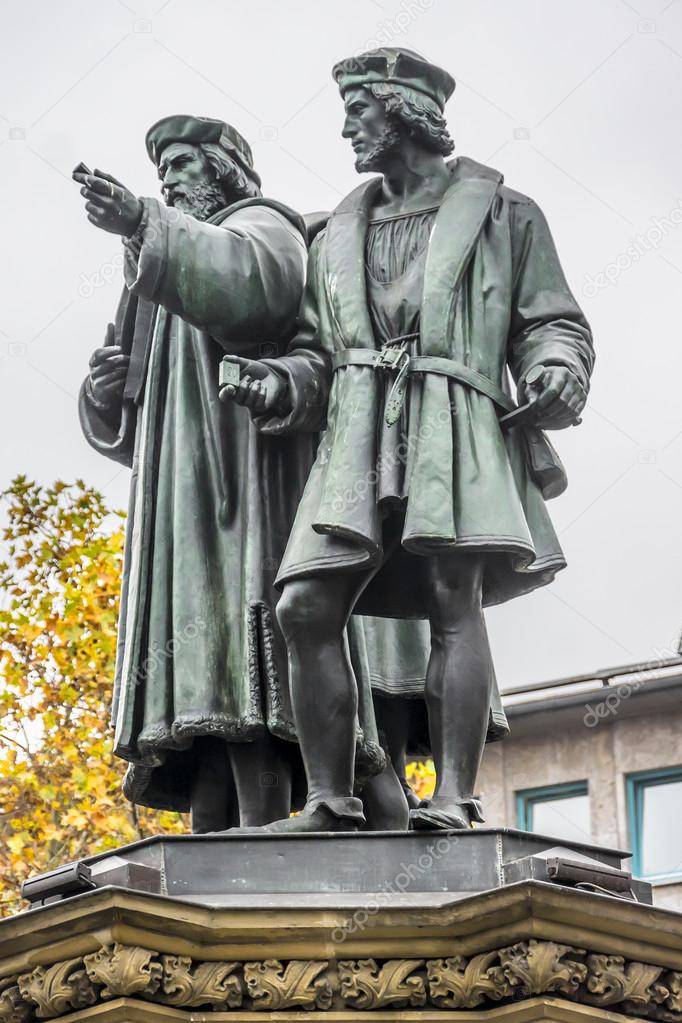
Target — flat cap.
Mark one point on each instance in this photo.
(395, 66)
(194, 130)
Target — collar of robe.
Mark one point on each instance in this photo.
(462, 214)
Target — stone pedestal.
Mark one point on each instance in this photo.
(320, 946)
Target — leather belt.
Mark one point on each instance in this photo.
(398, 359)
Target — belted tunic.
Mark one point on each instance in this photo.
(492, 301)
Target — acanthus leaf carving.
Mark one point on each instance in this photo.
(365, 985)
(57, 989)
(611, 980)
(271, 986)
(13, 1008)
(205, 984)
(528, 968)
(673, 982)
(460, 983)
(538, 967)
(124, 970)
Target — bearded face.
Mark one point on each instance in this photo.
(381, 151)
(374, 135)
(189, 181)
(201, 201)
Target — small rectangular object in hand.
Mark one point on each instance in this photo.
(524, 415)
(229, 373)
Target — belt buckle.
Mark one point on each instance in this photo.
(391, 356)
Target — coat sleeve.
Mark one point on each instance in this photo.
(110, 430)
(547, 327)
(307, 366)
(240, 281)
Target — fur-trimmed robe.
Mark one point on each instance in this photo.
(212, 499)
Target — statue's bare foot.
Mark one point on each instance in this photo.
(446, 815)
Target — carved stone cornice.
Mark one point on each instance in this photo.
(368, 985)
(190, 986)
(458, 981)
(57, 989)
(124, 970)
(300, 985)
(524, 970)
(13, 1009)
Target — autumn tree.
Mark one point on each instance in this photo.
(60, 785)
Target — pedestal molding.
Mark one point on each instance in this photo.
(511, 974)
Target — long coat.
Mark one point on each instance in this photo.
(212, 500)
(494, 300)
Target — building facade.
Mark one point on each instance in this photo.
(598, 758)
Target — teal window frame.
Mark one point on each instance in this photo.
(635, 785)
(526, 799)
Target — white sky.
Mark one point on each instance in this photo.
(576, 101)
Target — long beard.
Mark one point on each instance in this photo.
(202, 201)
(385, 146)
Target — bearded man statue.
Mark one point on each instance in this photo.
(201, 701)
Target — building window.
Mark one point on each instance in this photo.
(654, 799)
(558, 811)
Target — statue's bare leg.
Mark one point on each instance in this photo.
(262, 775)
(213, 797)
(313, 614)
(458, 687)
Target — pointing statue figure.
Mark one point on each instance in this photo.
(202, 708)
(201, 701)
(430, 284)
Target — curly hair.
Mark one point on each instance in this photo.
(234, 180)
(417, 112)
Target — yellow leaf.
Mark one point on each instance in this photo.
(17, 842)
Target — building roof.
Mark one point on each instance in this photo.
(597, 689)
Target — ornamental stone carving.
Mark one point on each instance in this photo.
(460, 983)
(523, 970)
(272, 986)
(206, 984)
(58, 989)
(366, 985)
(124, 970)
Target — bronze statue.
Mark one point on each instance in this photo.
(201, 696)
(216, 268)
(429, 282)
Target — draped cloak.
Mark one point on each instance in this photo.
(212, 499)
(494, 300)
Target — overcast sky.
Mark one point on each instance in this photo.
(576, 101)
